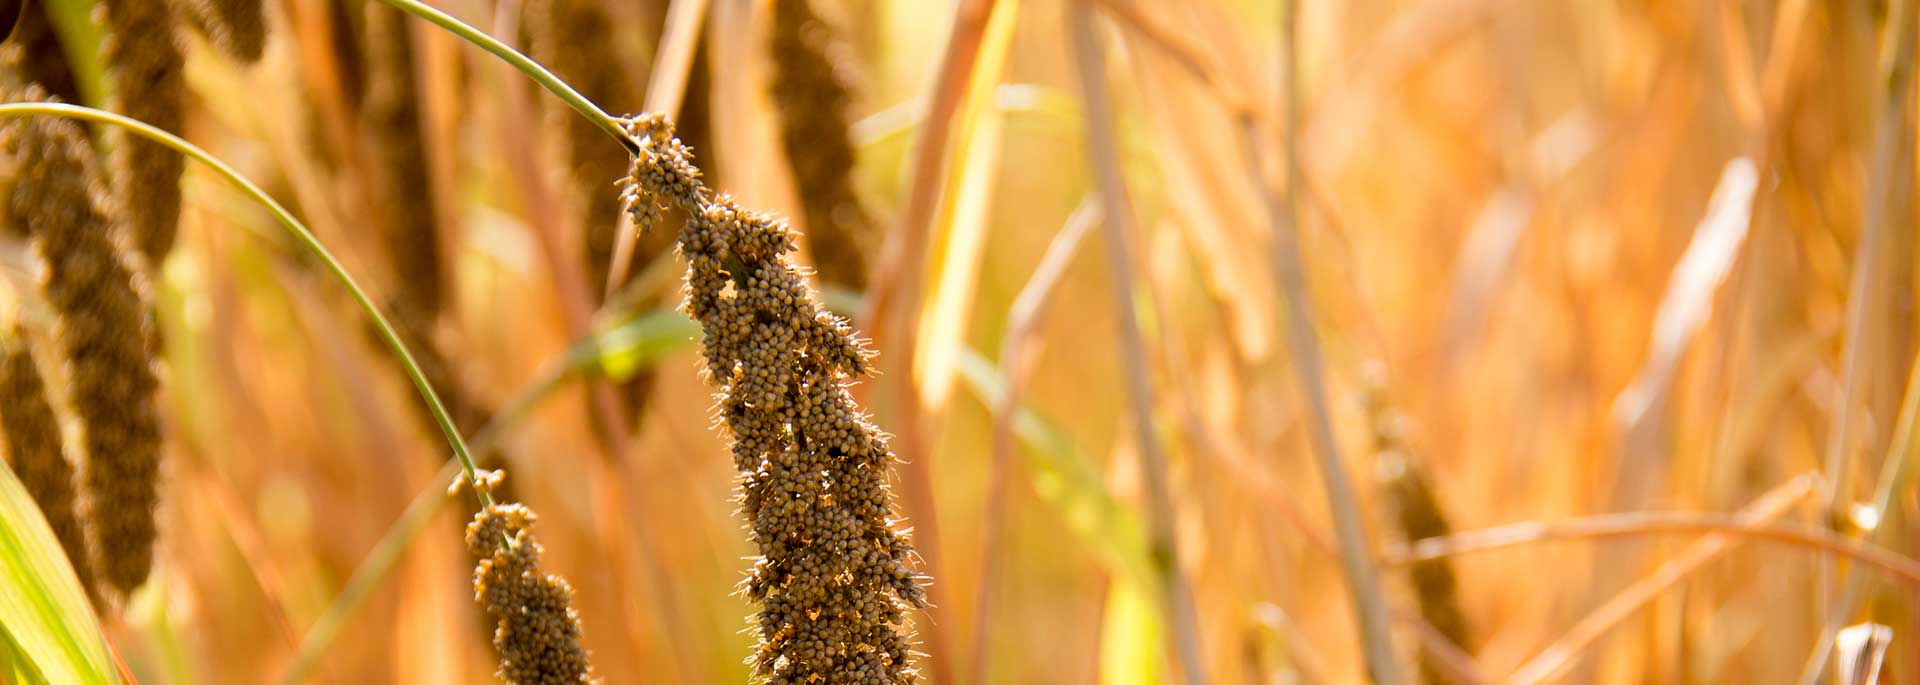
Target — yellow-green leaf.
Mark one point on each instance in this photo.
(960, 227)
(1130, 639)
(43, 610)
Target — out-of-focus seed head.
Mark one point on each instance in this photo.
(237, 27)
(1418, 514)
(811, 90)
(142, 56)
(34, 55)
(35, 451)
(104, 333)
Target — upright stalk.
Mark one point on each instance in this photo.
(1103, 149)
(1283, 210)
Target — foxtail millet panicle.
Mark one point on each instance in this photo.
(104, 332)
(141, 52)
(37, 453)
(391, 117)
(237, 27)
(811, 91)
(1418, 514)
(833, 576)
(535, 627)
(35, 54)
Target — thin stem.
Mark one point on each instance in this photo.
(1104, 153)
(1641, 523)
(300, 232)
(1891, 175)
(525, 64)
(1017, 350)
(1283, 211)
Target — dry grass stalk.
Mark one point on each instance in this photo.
(36, 453)
(1418, 514)
(833, 578)
(105, 331)
(237, 27)
(811, 88)
(142, 55)
(536, 628)
(33, 53)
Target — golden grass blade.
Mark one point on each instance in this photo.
(959, 231)
(44, 613)
(1639, 411)
(1553, 660)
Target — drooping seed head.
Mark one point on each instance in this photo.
(36, 452)
(142, 56)
(237, 27)
(104, 333)
(1418, 514)
(811, 90)
(34, 55)
(833, 578)
(535, 627)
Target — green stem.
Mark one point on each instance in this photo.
(526, 65)
(299, 232)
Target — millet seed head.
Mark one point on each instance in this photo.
(237, 27)
(536, 628)
(35, 451)
(104, 333)
(833, 578)
(811, 88)
(141, 53)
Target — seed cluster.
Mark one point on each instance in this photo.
(832, 577)
(34, 55)
(237, 27)
(35, 451)
(139, 50)
(391, 113)
(811, 90)
(1418, 514)
(536, 629)
(105, 333)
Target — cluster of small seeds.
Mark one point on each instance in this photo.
(33, 55)
(832, 577)
(1418, 514)
(237, 27)
(35, 451)
(811, 88)
(104, 331)
(141, 53)
(536, 628)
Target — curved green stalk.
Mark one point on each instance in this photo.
(299, 232)
(525, 64)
